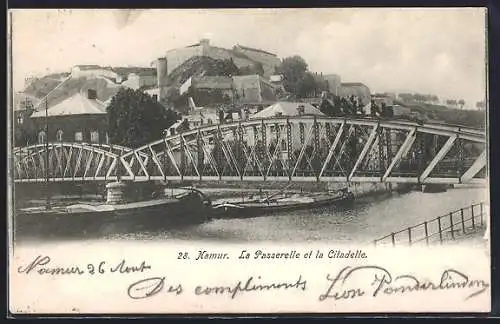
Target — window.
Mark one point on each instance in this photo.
(20, 119)
(41, 137)
(94, 136)
(59, 135)
(209, 121)
(78, 136)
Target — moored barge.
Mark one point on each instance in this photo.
(253, 207)
(104, 218)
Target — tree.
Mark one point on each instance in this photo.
(406, 97)
(256, 68)
(259, 68)
(461, 103)
(306, 86)
(224, 67)
(293, 70)
(135, 118)
(297, 79)
(451, 102)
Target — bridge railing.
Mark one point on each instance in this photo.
(450, 226)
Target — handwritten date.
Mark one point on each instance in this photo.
(43, 265)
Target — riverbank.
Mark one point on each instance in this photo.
(472, 238)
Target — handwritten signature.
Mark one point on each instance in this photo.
(385, 283)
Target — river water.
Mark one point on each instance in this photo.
(368, 218)
(362, 222)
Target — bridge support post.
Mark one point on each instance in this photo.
(115, 193)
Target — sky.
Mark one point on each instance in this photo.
(436, 51)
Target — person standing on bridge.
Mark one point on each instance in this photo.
(374, 109)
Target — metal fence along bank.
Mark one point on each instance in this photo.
(451, 226)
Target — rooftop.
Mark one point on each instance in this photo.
(121, 70)
(212, 82)
(352, 84)
(78, 104)
(88, 66)
(254, 50)
(286, 108)
(126, 70)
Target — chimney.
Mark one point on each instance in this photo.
(205, 45)
(91, 94)
(205, 42)
(161, 77)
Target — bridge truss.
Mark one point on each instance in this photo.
(302, 148)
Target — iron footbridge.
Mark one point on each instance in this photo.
(286, 149)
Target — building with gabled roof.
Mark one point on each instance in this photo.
(268, 60)
(279, 132)
(79, 118)
(78, 104)
(285, 108)
(253, 89)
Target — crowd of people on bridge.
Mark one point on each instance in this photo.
(336, 106)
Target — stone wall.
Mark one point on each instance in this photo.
(178, 56)
(135, 81)
(269, 62)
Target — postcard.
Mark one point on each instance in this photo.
(248, 161)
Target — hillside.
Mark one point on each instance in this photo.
(41, 87)
(195, 66)
(470, 118)
(201, 65)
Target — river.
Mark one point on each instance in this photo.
(368, 218)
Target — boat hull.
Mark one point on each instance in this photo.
(150, 216)
(244, 211)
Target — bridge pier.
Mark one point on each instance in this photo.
(115, 192)
(119, 192)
